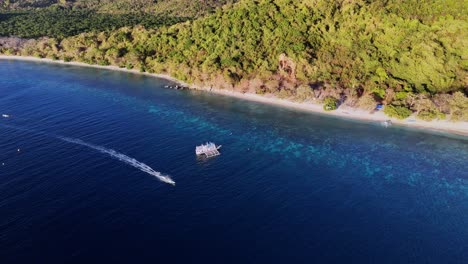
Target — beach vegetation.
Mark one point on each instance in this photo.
(398, 112)
(304, 93)
(430, 115)
(330, 104)
(367, 102)
(379, 92)
(458, 107)
(401, 95)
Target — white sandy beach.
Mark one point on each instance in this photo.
(459, 128)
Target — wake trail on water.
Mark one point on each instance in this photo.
(112, 153)
(122, 157)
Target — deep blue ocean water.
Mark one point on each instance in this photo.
(289, 187)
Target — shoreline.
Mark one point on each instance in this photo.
(445, 126)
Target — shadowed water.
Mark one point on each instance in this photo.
(289, 187)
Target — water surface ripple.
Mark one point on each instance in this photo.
(289, 187)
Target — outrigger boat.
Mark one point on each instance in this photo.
(209, 149)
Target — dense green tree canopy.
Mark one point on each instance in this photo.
(62, 23)
(181, 8)
(408, 54)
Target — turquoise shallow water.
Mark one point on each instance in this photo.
(289, 186)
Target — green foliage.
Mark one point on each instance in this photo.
(399, 112)
(406, 53)
(459, 107)
(180, 8)
(401, 95)
(379, 92)
(65, 23)
(330, 104)
(430, 115)
(303, 93)
(367, 102)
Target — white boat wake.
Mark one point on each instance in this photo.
(122, 157)
(114, 154)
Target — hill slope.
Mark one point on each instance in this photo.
(59, 18)
(184, 8)
(406, 54)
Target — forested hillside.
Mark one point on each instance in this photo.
(184, 8)
(410, 55)
(61, 23)
(60, 18)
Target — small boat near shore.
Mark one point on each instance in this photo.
(176, 87)
(208, 149)
(387, 123)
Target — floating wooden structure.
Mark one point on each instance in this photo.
(209, 150)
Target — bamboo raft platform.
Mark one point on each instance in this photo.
(209, 150)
